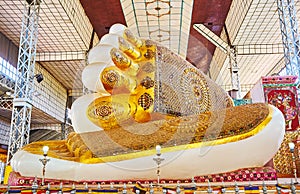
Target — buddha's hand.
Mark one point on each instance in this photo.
(144, 81)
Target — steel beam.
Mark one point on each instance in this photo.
(61, 56)
(259, 49)
(290, 36)
(21, 116)
(6, 103)
(7, 82)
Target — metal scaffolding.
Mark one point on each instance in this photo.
(289, 32)
(6, 103)
(21, 116)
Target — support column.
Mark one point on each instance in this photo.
(234, 71)
(290, 37)
(21, 115)
(64, 132)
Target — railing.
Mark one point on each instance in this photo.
(184, 188)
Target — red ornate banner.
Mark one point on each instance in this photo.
(281, 91)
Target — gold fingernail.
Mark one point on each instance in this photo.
(128, 49)
(132, 38)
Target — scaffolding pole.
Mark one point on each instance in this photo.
(290, 37)
(22, 106)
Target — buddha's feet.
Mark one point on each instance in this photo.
(145, 95)
(249, 137)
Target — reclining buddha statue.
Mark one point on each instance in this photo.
(144, 97)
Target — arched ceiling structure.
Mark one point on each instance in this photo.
(163, 18)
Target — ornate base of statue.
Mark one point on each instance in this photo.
(242, 175)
